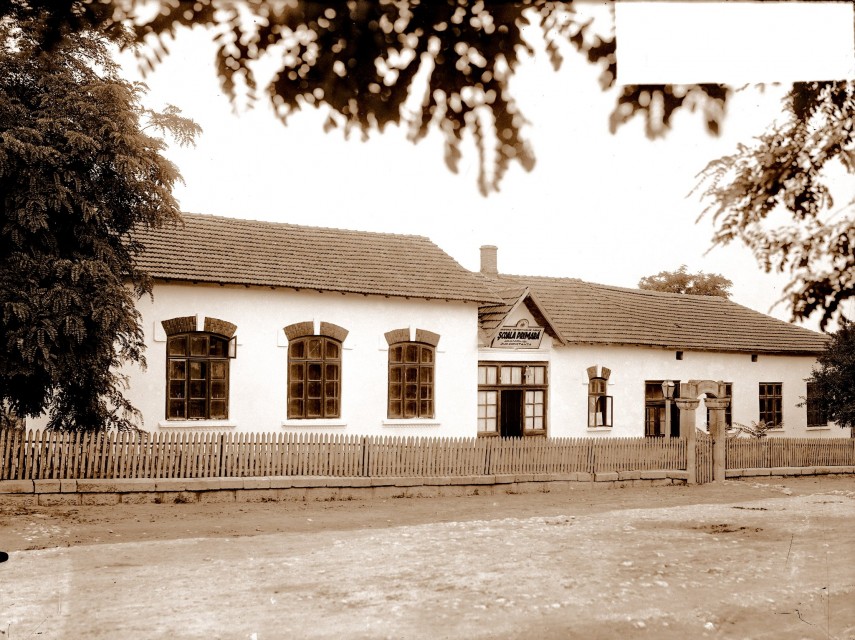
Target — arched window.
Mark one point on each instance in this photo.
(599, 401)
(599, 404)
(197, 372)
(314, 377)
(411, 378)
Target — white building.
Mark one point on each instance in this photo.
(258, 326)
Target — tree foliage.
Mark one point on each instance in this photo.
(781, 171)
(834, 376)
(444, 64)
(77, 174)
(681, 281)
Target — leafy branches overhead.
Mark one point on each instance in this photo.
(442, 64)
(77, 174)
(784, 170)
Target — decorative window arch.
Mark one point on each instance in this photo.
(197, 368)
(314, 370)
(600, 403)
(411, 373)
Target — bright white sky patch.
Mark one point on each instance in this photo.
(734, 42)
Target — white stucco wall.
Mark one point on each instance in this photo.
(258, 376)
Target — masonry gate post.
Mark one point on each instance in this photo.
(687, 432)
(717, 430)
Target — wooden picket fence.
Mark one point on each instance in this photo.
(54, 455)
(766, 453)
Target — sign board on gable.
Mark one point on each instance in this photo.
(522, 336)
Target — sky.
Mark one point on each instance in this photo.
(604, 208)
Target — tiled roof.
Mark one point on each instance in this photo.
(589, 313)
(248, 252)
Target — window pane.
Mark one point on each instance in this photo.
(197, 389)
(332, 350)
(313, 408)
(411, 353)
(314, 390)
(176, 389)
(491, 375)
(539, 375)
(410, 408)
(411, 374)
(315, 348)
(395, 374)
(426, 409)
(218, 390)
(297, 349)
(298, 371)
(219, 348)
(427, 354)
(506, 375)
(177, 369)
(426, 375)
(427, 391)
(482, 375)
(177, 346)
(411, 392)
(197, 409)
(314, 371)
(198, 370)
(331, 407)
(332, 372)
(297, 389)
(396, 354)
(176, 408)
(516, 375)
(395, 409)
(295, 408)
(395, 391)
(218, 370)
(218, 409)
(331, 389)
(198, 345)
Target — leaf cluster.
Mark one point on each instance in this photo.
(77, 175)
(681, 281)
(834, 376)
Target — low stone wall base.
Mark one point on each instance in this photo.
(49, 493)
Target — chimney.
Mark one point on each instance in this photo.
(489, 260)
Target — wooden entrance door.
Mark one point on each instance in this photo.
(511, 413)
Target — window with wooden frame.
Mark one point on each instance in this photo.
(599, 403)
(771, 401)
(411, 380)
(816, 412)
(197, 371)
(314, 377)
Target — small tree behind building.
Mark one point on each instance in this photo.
(834, 377)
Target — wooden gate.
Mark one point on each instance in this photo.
(703, 458)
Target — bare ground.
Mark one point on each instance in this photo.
(737, 560)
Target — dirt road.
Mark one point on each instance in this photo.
(740, 560)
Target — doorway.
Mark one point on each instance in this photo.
(511, 415)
